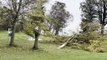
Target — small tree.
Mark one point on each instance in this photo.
(36, 22)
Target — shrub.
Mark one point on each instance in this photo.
(89, 39)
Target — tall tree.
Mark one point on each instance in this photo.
(95, 10)
(59, 15)
(102, 13)
(88, 10)
(88, 13)
(15, 9)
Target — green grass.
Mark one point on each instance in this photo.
(47, 51)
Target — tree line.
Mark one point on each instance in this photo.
(95, 11)
(29, 16)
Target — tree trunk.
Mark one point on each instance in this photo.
(12, 35)
(57, 32)
(35, 47)
(102, 29)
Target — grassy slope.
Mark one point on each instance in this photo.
(46, 52)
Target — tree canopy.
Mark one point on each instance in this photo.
(60, 16)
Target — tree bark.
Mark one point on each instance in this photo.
(35, 47)
(104, 18)
(57, 32)
(12, 35)
(15, 19)
(102, 29)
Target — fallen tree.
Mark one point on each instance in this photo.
(70, 39)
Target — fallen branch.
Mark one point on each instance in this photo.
(65, 43)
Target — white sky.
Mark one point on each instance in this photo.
(73, 6)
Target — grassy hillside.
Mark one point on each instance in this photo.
(47, 51)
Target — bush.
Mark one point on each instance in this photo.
(89, 39)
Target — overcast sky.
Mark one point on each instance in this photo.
(73, 6)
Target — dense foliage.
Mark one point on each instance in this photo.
(29, 16)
